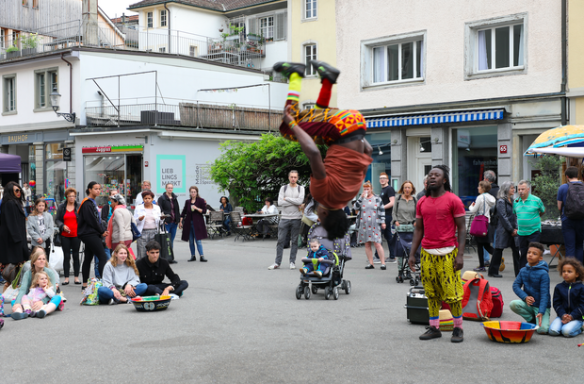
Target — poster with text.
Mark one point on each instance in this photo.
(171, 169)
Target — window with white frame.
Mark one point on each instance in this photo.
(46, 81)
(310, 9)
(309, 54)
(9, 94)
(500, 47)
(267, 27)
(397, 61)
(309, 105)
(163, 18)
(162, 49)
(150, 19)
(194, 51)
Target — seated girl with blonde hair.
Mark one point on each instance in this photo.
(40, 288)
(120, 278)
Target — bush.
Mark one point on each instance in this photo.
(250, 172)
(546, 184)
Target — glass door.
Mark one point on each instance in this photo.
(133, 181)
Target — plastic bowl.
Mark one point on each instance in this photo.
(509, 332)
(151, 303)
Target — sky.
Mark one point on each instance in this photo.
(115, 8)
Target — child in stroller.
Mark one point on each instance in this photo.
(339, 251)
(317, 255)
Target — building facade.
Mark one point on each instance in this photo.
(312, 37)
(472, 93)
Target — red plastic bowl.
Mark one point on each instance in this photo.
(509, 332)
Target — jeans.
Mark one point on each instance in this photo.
(226, 223)
(286, 226)
(573, 328)
(70, 244)
(524, 246)
(157, 289)
(528, 312)
(171, 228)
(193, 240)
(573, 231)
(108, 253)
(105, 294)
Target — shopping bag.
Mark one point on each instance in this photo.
(56, 258)
(10, 293)
(166, 251)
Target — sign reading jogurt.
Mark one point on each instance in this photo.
(171, 169)
(114, 148)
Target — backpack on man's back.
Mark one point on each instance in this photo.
(574, 206)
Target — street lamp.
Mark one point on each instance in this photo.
(55, 100)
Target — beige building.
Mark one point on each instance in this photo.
(575, 91)
(313, 37)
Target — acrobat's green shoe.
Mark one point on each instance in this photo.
(326, 71)
(289, 68)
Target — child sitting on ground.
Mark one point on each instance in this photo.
(569, 299)
(40, 288)
(317, 253)
(535, 296)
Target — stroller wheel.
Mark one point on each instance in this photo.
(328, 292)
(299, 292)
(336, 293)
(413, 282)
(314, 289)
(307, 293)
(347, 287)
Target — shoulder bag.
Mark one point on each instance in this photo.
(480, 223)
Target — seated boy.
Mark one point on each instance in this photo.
(338, 179)
(153, 269)
(317, 253)
(534, 278)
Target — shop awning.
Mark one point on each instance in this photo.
(9, 163)
(435, 118)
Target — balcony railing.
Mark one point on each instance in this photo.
(193, 114)
(236, 50)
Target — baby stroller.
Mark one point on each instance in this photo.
(330, 280)
(403, 247)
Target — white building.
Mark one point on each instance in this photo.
(139, 115)
(469, 85)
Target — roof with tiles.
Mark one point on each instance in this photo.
(217, 5)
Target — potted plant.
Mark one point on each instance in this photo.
(253, 37)
(12, 51)
(224, 36)
(29, 44)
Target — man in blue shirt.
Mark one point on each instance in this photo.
(573, 230)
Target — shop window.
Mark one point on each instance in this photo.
(474, 152)
(56, 171)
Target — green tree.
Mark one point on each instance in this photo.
(546, 184)
(252, 171)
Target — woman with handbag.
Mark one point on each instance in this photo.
(371, 221)
(40, 226)
(481, 207)
(119, 225)
(66, 222)
(404, 219)
(506, 229)
(90, 231)
(13, 242)
(147, 216)
(193, 223)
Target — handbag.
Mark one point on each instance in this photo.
(57, 240)
(135, 231)
(11, 273)
(480, 223)
(307, 221)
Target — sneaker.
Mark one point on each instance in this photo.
(326, 71)
(292, 265)
(19, 315)
(289, 68)
(376, 260)
(63, 298)
(274, 266)
(112, 302)
(1, 323)
(457, 335)
(431, 333)
(480, 269)
(318, 274)
(303, 271)
(40, 314)
(174, 297)
(391, 260)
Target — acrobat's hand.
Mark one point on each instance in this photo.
(288, 118)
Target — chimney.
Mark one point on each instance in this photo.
(90, 26)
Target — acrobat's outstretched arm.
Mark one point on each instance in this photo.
(307, 144)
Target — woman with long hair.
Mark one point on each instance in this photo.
(371, 221)
(120, 278)
(147, 217)
(482, 206)
(119, 225)
(404, 220)
(40, 226)
(90, 231)
(506, 229)
(193, 223)
(226, 208)
(13, 243)
(66, 221)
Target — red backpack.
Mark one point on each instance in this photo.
(477, 301)
(498, 303)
